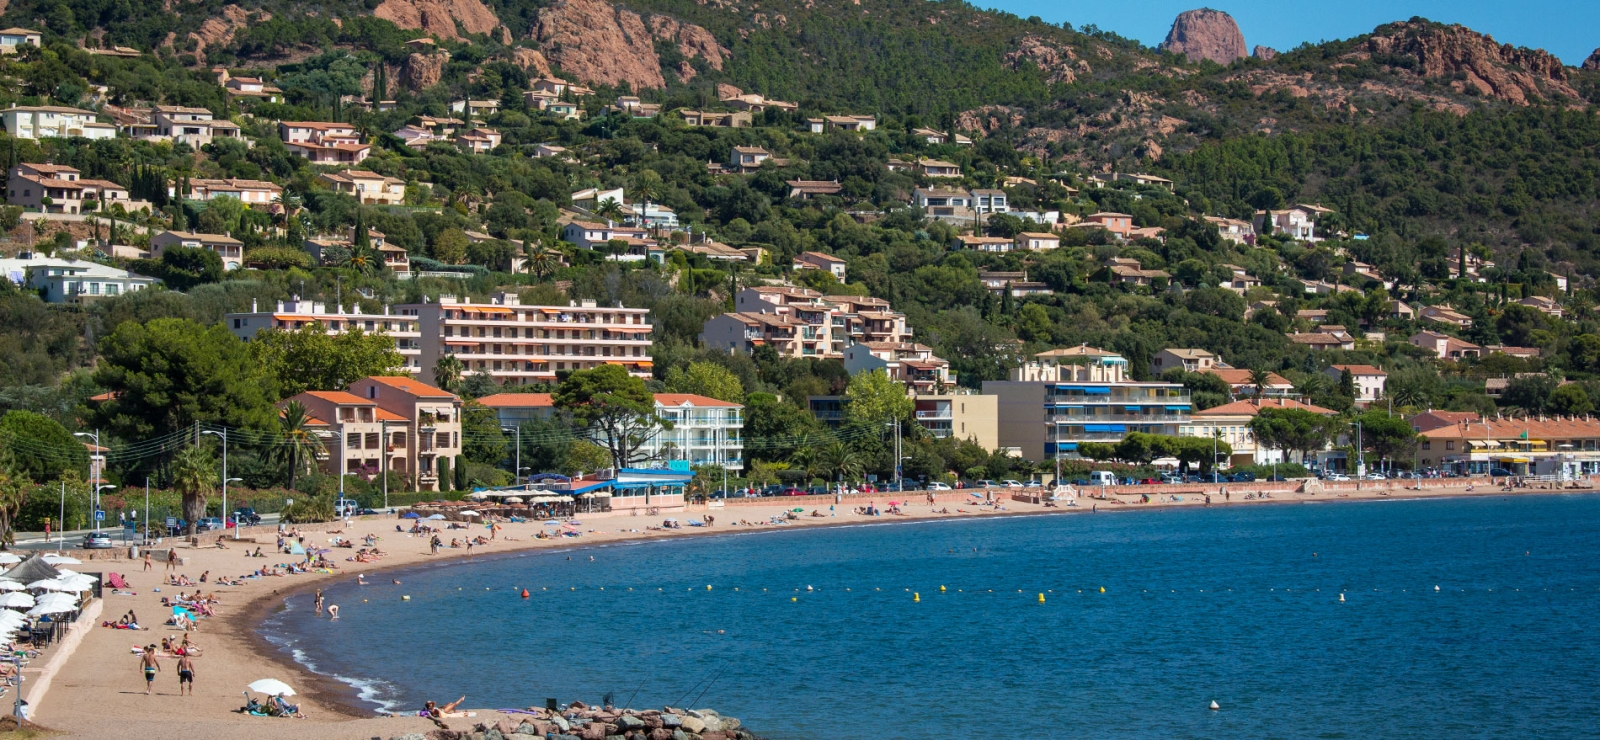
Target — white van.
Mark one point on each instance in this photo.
(1102, 478)
(344, 508)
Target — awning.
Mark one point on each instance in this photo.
(553, 311)
(644, 363)
(458, 343)
(631, 329)
(1177, 408)
(493, 309)
(1119, 428)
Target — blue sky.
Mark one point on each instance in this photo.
(1570, 29)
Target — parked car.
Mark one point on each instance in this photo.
(792, 491)
(817, 491)
(365, 511)
(1336, 477)
(1244, 477)
(772, 490)
(246, 516)
(1079, 481)
(1500, 473)
(344, 507)
(207, 524)
(937, 486)
(1150, 482)
(97, 541)
(1008, 483)
(987, 484)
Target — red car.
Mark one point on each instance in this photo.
(792, 492)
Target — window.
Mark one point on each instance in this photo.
(352, 441)
(1449, 445)
(1426, 445)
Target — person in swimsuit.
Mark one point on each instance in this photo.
(186, 674)
(319, 602)
(150, 666)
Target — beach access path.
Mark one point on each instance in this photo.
(99, 692)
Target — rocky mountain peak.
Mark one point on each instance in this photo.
(1474, 62)
(1205, 34)
(439, 17)
(1593, 62)
(602, 43)
(1264, 53)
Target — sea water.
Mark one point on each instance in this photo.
(1464, 618)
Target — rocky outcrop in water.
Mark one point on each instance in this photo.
(581, 722)
(1205, 34)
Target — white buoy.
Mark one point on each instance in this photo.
(1436, 588)
(1341, 598)
(1215, 706)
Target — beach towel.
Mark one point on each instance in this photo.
(117, 581)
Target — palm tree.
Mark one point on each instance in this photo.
(361, 259)
(840, 461)
(447, 372)
(644, 189)
(300, 446)
(609, 209)
(540, 259)
(194, 473)
(1260, 379)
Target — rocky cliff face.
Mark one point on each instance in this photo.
(599, 42)
(1593, 62)
(1205, 34)
(1264, 53)
(217, 31)
(422, 70)
(1473, 62)
(1059, 64)
(439, 17)
(529, 61)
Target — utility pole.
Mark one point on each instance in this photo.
(146, 537)
(223, 435)
(94, 476)
(383, 465)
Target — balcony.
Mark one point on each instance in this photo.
(1114, 418)
(935, 415)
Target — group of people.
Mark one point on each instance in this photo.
(129, 621)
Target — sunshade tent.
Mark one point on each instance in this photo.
(43, 609)
(16, 600)
(49, 584)
(436, 517)
(33, 569)
(8, 558)
(271, 686)
(55, 599)
(7, 584)
(411, 515)
(62, 560)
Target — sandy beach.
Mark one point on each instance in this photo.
(99, 693)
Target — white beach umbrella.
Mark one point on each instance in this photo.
(56, 600)
(271, 686)
(9, 558)
(50, 584)
(469, 512)
(16, 600)
(479, 496)
(57, 559)
(43, 609)
(80, 582)
(7, 584)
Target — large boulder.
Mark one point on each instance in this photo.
(692, 723)
(1264, 53)
(1593, 62)
(629, 723)
(1205, 34)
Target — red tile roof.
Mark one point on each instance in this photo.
(1252, 407)
(411, 385)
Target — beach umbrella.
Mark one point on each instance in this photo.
(514, 500)
(436, 517)
(16, 600)
(43, 609)
(797, 510)
(57, 559)
(271, 686)
(411, 515)
(10, 585)
(80, 582)
(8, 558)
(469, 512)
(56, 599)
(49, 584)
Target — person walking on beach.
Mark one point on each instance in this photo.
(185, 673)
(147, 560)
(172, 560)
(319, 602)
(433, 545)
(150, 666)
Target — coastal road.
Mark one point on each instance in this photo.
(74, 538)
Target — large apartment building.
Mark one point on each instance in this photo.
(295, 314)
(800, 322)
(964, 415)
(517, 344)
(386, 423)
(1051, 405)
(705, 431)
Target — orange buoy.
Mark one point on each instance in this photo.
(524, 593)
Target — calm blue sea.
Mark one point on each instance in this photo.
(815, 634)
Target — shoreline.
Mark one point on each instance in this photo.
(350, 703)
(96, 696)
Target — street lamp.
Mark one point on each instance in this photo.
(1361, 454)
(518, 431)
(94, 500)
(223, 435)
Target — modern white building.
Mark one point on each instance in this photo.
(296, 313)
(705, 431)
(72, 281)
(1067, 397)
(54, 121)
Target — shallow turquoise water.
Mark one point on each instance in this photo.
(1238, 605)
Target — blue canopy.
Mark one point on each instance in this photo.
(411, 515)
